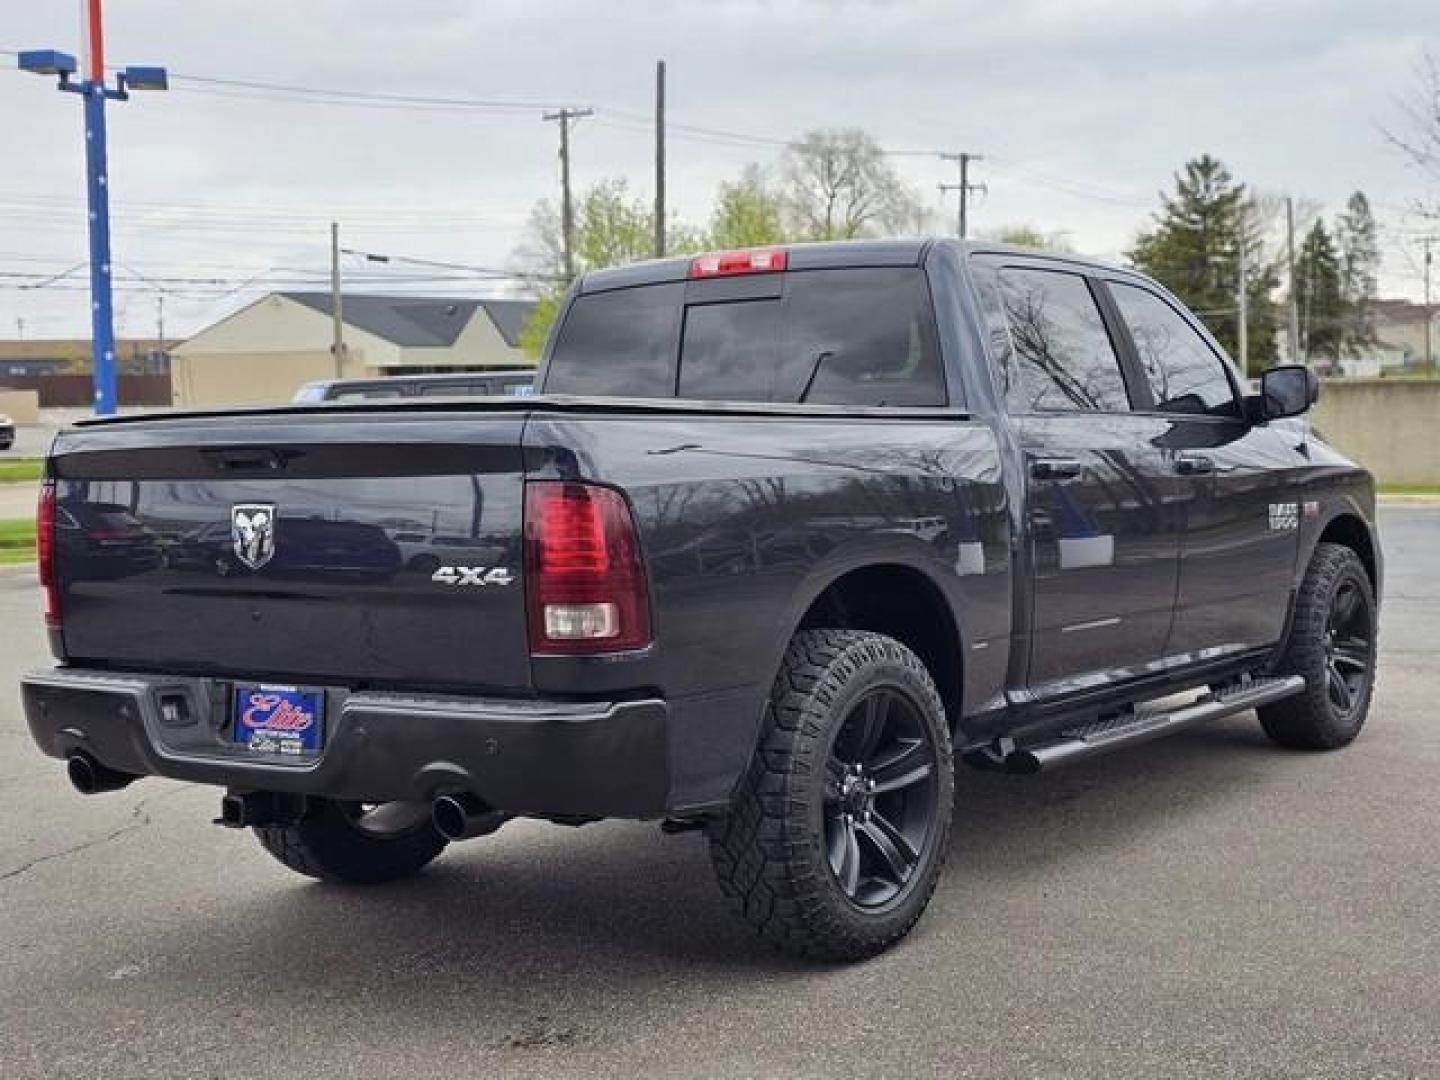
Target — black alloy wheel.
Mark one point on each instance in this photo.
(880, 795)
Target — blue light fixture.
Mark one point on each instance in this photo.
(47, 62)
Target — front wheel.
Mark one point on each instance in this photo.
(837, 837)
(356, 843)
(1332, 644)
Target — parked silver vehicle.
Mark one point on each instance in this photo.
(501, 382)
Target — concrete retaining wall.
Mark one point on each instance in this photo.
(1391, 426)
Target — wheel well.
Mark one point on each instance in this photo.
(1350, 531)
(903, 604)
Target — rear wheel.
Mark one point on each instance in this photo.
(356, 843)
(1332, 644)
(837, 837)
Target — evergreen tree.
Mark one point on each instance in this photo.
(1359, 242)
(1319, 294)
(1195, 251)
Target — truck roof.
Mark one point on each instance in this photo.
(822, 255)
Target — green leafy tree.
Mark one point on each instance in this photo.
(1204, 232)
(1358, 238)
(749, 212)
(1319, 295)
(612, 227)
(1031, 237)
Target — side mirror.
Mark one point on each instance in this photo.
(1288, 390)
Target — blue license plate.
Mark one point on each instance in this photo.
(279, 719)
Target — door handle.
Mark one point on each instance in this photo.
(1056, 468)
(1194, 464)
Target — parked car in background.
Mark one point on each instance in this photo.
(7, 432)
(505, 382)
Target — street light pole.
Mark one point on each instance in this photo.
(102, 316)
(91, 86)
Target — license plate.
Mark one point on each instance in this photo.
(279, 719)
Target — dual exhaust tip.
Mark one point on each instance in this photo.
(89, 777)
(455, 817)
(464, 817)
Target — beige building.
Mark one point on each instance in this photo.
(267, 350)
(1400, 334)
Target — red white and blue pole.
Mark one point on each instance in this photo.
(97, 183)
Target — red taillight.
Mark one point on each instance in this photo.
(45, 553)
(585, 580)
(726, 263)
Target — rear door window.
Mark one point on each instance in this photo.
(862, 337)
(1063, 353)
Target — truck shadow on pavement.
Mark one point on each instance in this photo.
(620, 892)
(544, 936)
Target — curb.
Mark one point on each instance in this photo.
(21, 569)
(1415, 501)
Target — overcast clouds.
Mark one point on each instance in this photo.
(1083, 110)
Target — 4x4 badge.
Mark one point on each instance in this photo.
(252, 532)
(472, 575)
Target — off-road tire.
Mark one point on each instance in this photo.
(769, 852)
(325, 844)
(1312, 720)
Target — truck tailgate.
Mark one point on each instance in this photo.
(350, 548)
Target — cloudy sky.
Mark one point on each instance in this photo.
(1082, 110)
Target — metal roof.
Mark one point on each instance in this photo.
(420, 321)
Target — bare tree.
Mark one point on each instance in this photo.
(1419, 138)
(838, 186)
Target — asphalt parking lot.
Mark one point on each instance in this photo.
(1207, 905)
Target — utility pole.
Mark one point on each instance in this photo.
(337, 301)
(160, 322)
(567, 210)
(1294, 305)
(659, 159)
(91, 86)
(964, 187)
(1242, 304)
(1429, 312)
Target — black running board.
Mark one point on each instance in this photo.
(1148, 722)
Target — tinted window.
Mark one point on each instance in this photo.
(619, 343)
(1185, 374)
(839, 337)
(358, 393)
(731, 352)
(862, 337)
(476, 389)
(1062, 349)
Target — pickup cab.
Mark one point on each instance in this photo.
(783, 534)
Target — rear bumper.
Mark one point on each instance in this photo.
(523, 757)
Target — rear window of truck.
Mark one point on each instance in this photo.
(835, 337)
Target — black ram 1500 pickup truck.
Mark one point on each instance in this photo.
(783, 532)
